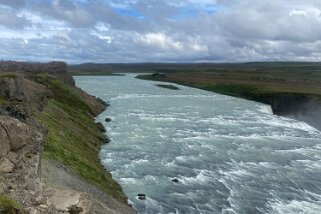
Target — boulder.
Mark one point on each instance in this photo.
(6, 166)
(175, 180)
(107, 120)
(18, 133)
(63, 200)
(141, 196)
(106, 139)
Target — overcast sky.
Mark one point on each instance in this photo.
(79, 31)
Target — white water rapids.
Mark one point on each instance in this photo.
(229, 155)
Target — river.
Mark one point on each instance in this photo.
(228, 155)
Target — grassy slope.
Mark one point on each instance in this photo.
(74, 139)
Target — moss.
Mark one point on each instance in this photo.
(74, 139)
(7, 205)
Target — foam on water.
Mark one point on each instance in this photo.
(265, 109)
(229, 155)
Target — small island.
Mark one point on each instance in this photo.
(168, 86)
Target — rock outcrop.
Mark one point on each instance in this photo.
(25, 94)
(21, 147)
(24, 97)
(51, 67)
(57, 69)
(13, 135)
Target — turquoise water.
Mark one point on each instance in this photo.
(229, 155)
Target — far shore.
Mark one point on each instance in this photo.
(295, 100)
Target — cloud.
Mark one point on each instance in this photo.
(160, 30)
(158, 41)
(13, 3)
(10, 20)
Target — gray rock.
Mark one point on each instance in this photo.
(13, 157)
(175, 180)
(141, 196)
(18, 133)
(6, 166)
(4, 142)
(63, 199)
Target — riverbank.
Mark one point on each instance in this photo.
(292, 94)
(49, 144)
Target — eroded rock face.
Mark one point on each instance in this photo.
(13, 134)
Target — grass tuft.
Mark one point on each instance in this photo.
(8, 205)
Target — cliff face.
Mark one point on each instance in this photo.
(49, 145)
(300, 107)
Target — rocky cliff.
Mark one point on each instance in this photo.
(49, 145)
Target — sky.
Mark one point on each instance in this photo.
(126, 31)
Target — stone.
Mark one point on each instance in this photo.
(6, 166)
(62, 199)
(18, 133)
(141, 196)
(107, 120)
(106, 139)
(175, 180)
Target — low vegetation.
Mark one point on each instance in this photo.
(248, 83)
(8, 206)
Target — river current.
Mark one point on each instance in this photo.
(228, 155)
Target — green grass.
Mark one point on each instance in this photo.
(63, 92)
(7, 205)
(170, 86)
(244, 91)
(74, 139)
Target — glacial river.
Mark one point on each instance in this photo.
(229, 155)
